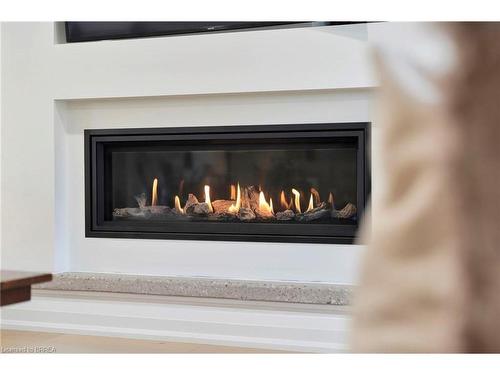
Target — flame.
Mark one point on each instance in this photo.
(178, 205)
(207, 198)
(311, 204)
(313, 200)
(317, 199)
(330, 200)
(284, 204)
(263, 205)
(233, 192)
(235, 207)
(154, 193)
(297, 200)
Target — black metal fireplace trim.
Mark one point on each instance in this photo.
(344, 234)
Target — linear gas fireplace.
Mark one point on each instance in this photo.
(288, 183)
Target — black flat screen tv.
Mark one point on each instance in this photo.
(93, 31)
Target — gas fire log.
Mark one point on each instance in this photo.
(246, 214)
(285, 215)
(201, 209)
(194, 207)
(222, 216)
(129, 211)
(253, 206)
(316, 213)
(141, 200)
(346, 213)
(191, 201)
(144, 212)
(222, 205)
(263, 214)
(250, 198)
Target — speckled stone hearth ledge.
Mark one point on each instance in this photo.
(273, 291)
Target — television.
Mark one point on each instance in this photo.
(93, 31)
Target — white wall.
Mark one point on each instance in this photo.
(51, 92)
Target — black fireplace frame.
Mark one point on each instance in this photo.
(95, 226)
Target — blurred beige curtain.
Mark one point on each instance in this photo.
(431, 277)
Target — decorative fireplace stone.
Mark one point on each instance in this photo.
(286, 183)
(203, 287)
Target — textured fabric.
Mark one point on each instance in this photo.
(431, 277)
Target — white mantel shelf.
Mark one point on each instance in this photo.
(248, 290)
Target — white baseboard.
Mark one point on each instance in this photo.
(265, 325)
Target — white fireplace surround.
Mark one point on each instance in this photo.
(51, 91)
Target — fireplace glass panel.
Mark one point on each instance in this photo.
(306, 181)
